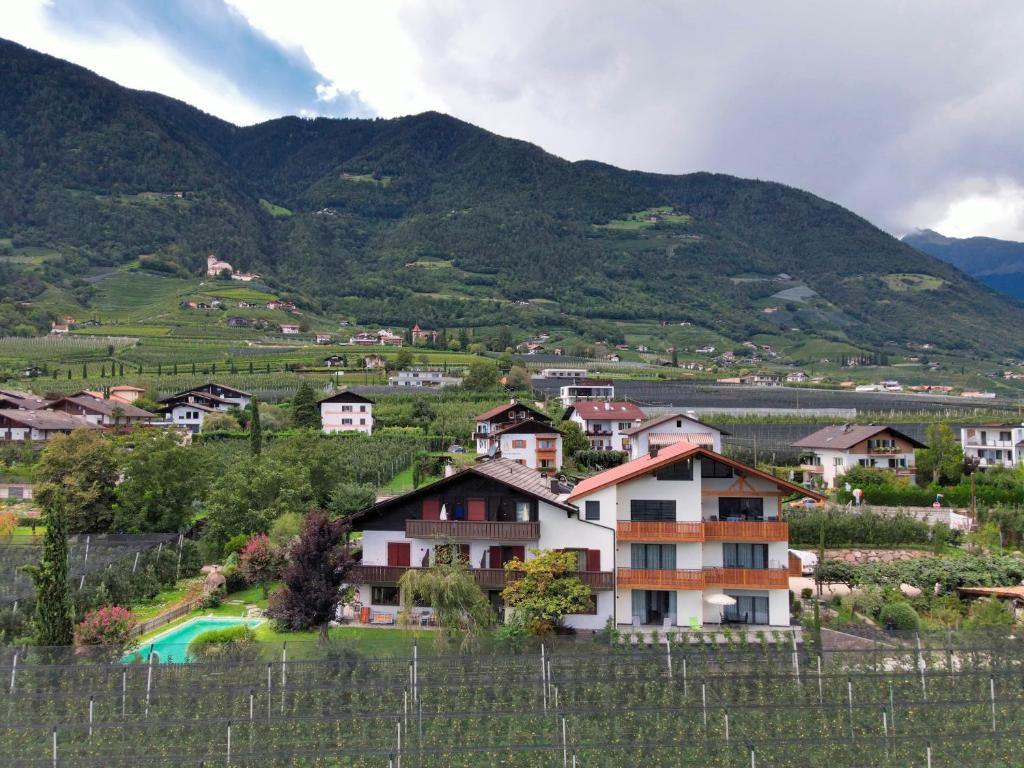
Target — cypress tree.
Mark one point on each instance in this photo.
(304, 407)
(53, 624)
(255, 430)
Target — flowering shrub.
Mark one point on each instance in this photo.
(8, 522)
(111, 626)
(260, 562)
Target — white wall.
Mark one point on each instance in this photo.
(333, 415)
(639, 445)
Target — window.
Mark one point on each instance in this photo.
(346, 421)
(837, 461)
(547, 464)
(362, 409)
(593, 510)
(743, 508)
(653, 556)
(652, 510)
(748, 609)
(712, 468)
(1005, 437)
(384, 595)
(545, 445)
(745, 555)
(623, 425)
(681, 470)
(362, 422)
(15, 492)
(522, 511)
(518, 443)
(346, 409)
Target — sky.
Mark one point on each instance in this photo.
(908, 112)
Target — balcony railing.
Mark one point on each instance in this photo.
(636, 530)
(487, 578)
(492, 530)
(763, 578)
(747, 530)
(650, 578)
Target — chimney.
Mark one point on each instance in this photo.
(652, 450)
(449, 469)
(607, 406)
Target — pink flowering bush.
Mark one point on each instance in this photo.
(260, 561)
(109, 626)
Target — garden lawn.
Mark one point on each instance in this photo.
(166, 600)
(369, 641)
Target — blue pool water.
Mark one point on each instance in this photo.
(171, 647)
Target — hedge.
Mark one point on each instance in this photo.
(844, 528)
(898, 495)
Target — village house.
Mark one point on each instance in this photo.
(125, 393)
(238, 322)
(290, 329)
(422, 377)
(284, 306)
(323, 338)
(563, 373)
(101, 411)
(671, 428)
(188, 409)
(374, 362)
(346, 412)
(15, 399)
(835, 449)
(586, 389)
(420, 336)
(761, 380)
(700, 539)
(39, 425)
(518, 432)
(59, 328)
(994, 445)
(381, 337)
(487, 514)
(605, 423)
(796, 377)
(215, 266)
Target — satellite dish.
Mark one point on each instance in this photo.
(492, 451)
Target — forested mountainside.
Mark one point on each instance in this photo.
(998, 264)
(429, 219)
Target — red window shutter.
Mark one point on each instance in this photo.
(495, 557)
(398, 553)
(431, 509)
(593, 559)
(477, 509)
(519, 552)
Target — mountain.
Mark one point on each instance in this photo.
(429, 219)
(996, 263)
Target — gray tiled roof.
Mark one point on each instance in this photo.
(522, 477)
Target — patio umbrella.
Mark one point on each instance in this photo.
(720, 599)
(444, 512)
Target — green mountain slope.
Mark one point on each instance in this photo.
(430, 219)
(996, 263)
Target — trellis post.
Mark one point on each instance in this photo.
(921, 665)
(821, 690)
(796, 659)
(14, 670)
(54, 746)
(684, 676)
(726, 711)
(849, 696)
(565, 747)
(543, 678)
(91, 701)
(992, 698)
(269, 684)
(228, 762)
(284, 671)
(149, 678)
(704, 702)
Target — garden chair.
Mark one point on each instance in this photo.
(695, 624)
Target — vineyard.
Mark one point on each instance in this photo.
(757, 701)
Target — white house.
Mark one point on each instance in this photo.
(520, 433)
(835, 449)
(994, 444)
(487, 514)
(346, 412)
(100, 411)
(670, 428)
(700, 538)
(605, 423)
(188, 409)
(290, 329)
(38, 425)
(563, 373)
(423, 377)
(586, 389)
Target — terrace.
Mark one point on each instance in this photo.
(493, 530)
(487, 578)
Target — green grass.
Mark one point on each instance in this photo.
(388, 641)
(366, 178)
(165, 600)
(226, 290)
(124, 330)
(277, 211)
(902, 282)
(642, 219)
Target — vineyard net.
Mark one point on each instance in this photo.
(767, 702)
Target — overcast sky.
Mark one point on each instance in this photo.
(909, 113)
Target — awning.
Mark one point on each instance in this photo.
(661, 439)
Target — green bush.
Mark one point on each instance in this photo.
(236, 643)
(212, 599)
(235, 544)
(989, 612)
(899, 616)
(865, 528)
(806, 593)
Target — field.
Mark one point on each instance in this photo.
(757, 701)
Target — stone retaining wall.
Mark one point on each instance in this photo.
(861, 556)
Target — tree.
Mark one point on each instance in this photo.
(305, 410)
(481, 376)
(423, 412)
(255, 429)
(260, 561)
(448, 586)
(349, 498)
(943, 458)
(318, 566)
(110, 628)
(83, 469)
(403, 358)
(547, 591)
(53, 624)
(117, 413)
(8, 522)
(285, 529)
(574, 439)
(519, 378)
(161, 481)
(220, 422)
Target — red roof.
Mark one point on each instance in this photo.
(669, 455)
(591, 409)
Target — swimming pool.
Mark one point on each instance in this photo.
(171, 647)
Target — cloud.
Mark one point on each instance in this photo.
(980, 207)
(893, 108)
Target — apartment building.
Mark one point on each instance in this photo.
(605, 423)
(586, 389)
(700, 538)
(670, 428)
(346, 412)
(837, 448)
(994, 445)
(487, 514)
(190, 408)
(520, 433)
(424, 378)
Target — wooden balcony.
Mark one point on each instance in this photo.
(747, 578)
(635, 530)
(491, 530)
(747, 530)
(487, 578)
(648, 578)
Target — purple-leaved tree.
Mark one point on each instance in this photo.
(318, 565)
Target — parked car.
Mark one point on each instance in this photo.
(456, 449)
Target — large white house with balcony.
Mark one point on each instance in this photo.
(346, 412)
(836, 449)
(605, 423)
(520, 433)
(994, 445)
(670, 428)
(700, 538)
(492, 511)
(586, 389)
